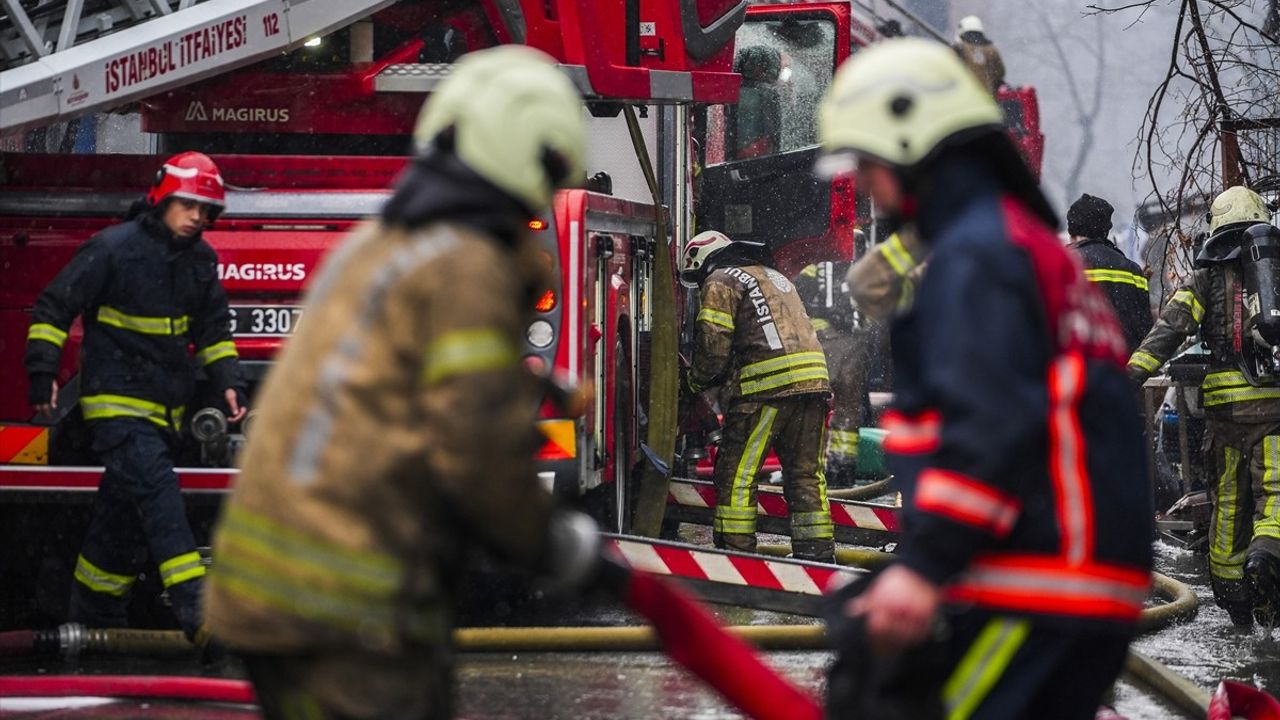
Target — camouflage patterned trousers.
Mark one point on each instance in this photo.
(794, 428)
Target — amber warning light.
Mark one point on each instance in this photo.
(536, 224)
(547, 302)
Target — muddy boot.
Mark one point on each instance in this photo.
(823, 551)
(741, 542)
(1262, 571)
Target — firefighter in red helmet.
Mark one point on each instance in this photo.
(153, 310)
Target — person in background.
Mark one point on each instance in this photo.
(979, 53)
(148, 293)
(1119, 278)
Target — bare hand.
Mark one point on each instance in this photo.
(46, 409)
(899, 608)
(237, 412)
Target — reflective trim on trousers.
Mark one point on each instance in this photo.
(983, 665)
(1226, 561)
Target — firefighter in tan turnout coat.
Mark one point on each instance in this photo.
(399, 422)
(755, 339)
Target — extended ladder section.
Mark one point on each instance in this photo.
(124, 50)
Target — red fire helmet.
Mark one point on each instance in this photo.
(190, 175)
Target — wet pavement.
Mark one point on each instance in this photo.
(647, 685)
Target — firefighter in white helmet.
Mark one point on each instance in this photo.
(754, 340)
(1242, 412)
(979, 53)
(1013, 435)
(400, 421)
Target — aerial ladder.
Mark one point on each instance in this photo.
(63, 59)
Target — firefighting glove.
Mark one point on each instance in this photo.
(40, 388)
(573, 548)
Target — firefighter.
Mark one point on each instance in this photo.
(882, 282)
(979, 53)
(1242, 419)
(1013, 435)
(848, 347)
(1119, 278)
(398, 423)
(755, 341)
(148, 291)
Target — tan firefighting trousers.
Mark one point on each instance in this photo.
(848, 355)
(794, 427)
(1245, 488)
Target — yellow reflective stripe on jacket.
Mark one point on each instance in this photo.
(468, 351)
(784, 379)
(895, 253)
(716, 317)
(181, 568)
(784, 362)
(819, 324)
(1124, 277)
(216, 352)
(1214, 398)
(48, 333)
(1145, 360)
(313, 578)
(108, 315)
(1224, 379)
(106, 406)
(99, 580)
(981, 667)
(1192, 303)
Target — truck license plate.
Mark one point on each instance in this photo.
(264, 320)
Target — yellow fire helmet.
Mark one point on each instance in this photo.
(517, 121)
(897, 102)
(1237, 204)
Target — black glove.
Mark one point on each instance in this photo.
(40, 388)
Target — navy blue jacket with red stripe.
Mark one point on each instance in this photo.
(1014, 435)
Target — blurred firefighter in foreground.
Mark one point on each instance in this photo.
(1013, 436)
(979, 53)
(1119, 278)
(754, 338)
(148, 292)
(402, 421)
(1230, 301)
(848, 347)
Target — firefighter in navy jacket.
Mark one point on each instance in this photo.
(149, 294)
(1013, 435)
(1118, 277)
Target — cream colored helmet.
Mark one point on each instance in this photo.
(517, 121)
(1237, 204)
(701, 248)
(897, 102)
(971, 23)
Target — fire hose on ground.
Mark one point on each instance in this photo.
(73, 639)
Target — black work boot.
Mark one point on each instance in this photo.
(1262, 571)
(1234, 597)
(823, 551)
